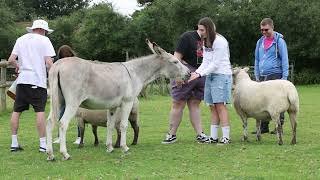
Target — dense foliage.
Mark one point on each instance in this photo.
(99, 32)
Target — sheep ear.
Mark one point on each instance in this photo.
(246, 69)
(235, 70)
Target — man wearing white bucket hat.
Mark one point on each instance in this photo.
(34, 51)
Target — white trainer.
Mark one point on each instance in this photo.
(77, 141)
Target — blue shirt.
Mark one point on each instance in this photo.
(273, 60)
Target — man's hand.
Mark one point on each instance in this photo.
(194, 76)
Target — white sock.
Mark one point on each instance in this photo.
(214, 131)
(226, 131)
(14, 142)
(43, 142)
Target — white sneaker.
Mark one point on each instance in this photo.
(56, 141)
(77, 141)
(42, 149)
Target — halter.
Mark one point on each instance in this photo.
(127, 70)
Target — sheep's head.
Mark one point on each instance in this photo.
(239, 73)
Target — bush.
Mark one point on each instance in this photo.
(307, 76)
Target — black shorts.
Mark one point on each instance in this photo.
(26, 94)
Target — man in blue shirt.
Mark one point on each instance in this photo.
(271, 59)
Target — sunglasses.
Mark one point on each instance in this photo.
(266, 30)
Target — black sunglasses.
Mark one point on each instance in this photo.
(264, 30)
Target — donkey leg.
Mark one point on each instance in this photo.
(117, 145)
(64, 123)
(110, 127)
(133, 119)
(50, 125)
(293, 116)
(125, 111)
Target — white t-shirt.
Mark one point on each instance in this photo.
(216, 59)
(31, 49)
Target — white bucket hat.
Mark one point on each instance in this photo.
(39, 24)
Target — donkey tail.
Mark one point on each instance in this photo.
(56, 98)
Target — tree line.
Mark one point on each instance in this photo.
(99, 32)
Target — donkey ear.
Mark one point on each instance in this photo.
(150, 46)
(158, 50)
(246, 69)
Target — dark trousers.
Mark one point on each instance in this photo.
(265, 124)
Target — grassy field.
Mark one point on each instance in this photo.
(185, 159)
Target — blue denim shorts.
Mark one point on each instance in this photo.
(218, 88)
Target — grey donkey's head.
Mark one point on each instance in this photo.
(171, 67)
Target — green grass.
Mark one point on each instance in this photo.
(185, 159)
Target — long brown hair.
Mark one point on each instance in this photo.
(65, 51)
(210, 29)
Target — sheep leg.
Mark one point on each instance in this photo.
(133, 119)
(293, 122)
(258, 130)
(245, 129)
(94, 131)
(110, 127)
(276, 119)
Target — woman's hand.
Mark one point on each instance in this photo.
(194, 76)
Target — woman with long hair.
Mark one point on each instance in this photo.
(217, 69)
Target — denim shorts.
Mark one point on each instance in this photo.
(218, 88)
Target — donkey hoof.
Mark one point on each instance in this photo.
(51, 158)
(109, 149)
(134, 143)
(280, 143)
(80, 146)
(66, 157)
(125, 149)
(117, 146)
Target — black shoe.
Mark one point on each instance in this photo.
(169, 139)
(225, 140)
(211, 141)
(201, 138)
(15, 149)
(275, 131)
(263, 131)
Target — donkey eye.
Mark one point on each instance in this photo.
(175, 62)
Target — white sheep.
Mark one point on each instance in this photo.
(99, 118)
(264, 101)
